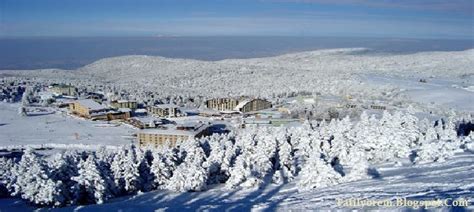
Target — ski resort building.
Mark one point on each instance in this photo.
(147, 122)
(208, 112)
(63, 89)
(222, 104)
(111, 115)
(91, 109)
(171, 134)
(86, 108)
(163, 110)
(378, 107)
(124, 104)
(250, 105)
(240, 105)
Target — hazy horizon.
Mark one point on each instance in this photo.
(68, 34)
(73, 52)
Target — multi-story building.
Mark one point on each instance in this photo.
(241, 105)
(147, 122)
(91, 109)
(111, 115)
(222, 104)
(96, 96)
(163, 110)
(87, 108)
(171, 134)
(378, 107)
(250, 105)
(124, 104)
(63, 89)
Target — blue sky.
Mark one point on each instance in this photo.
(452, 19)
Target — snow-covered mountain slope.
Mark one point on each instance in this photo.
(346, 60)
(325, 71)
(451, 179)
(334, 61)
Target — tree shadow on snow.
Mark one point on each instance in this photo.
(214, 200)
(235, 200)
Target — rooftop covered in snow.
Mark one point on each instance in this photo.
(91, 104)
(165, 106)
(173, 130)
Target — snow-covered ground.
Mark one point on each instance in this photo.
(451, 179)
(341, 73)
(449, 93)
(329, 72)
(57, 128)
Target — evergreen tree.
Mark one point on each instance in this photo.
(125, 170)
(92, 186)
(318, 174)
(63, 168)
(191, 174)
(6, 178)
(33, 182)
(145, 159)
(163, 165)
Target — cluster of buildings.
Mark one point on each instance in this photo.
(160, 124)
(154, 121)
(166, 124)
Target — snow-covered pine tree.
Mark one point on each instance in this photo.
(215, 158)
(256, 164)
(240, 172)
(359, 166)
(164, 163)
(286, 164)
(92, 186)
(145, 159)
(33, 182)
(317, 173)
(306, 141)
(265, 157)
(448, 131)
(130, 172)
(27, 97)
(125, 170)
(229, 155)
(104, 163)
(191, 174)
(63, 168)
(6, 166)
